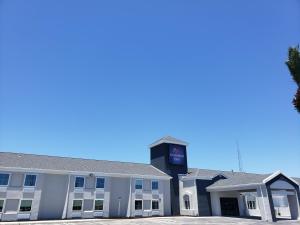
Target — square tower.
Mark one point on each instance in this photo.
(169, 155)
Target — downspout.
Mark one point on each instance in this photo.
(64, 215)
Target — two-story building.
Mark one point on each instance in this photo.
(37, 187)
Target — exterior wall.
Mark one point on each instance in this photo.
(251, 212)
(88, 195)
(189, 188)
(54, 191)
(147, 195)
(15, 192)
(53, 195)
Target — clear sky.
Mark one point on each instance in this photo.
(104, 79)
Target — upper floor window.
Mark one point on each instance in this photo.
(4, 177)
(79, 182)
(30, 180)
(154, 185)
(100, 182)
(139, 184)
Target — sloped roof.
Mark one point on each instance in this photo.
(66, 164)
(233, 178)
(169, 139)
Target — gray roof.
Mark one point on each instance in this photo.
(297, 180)
(233, 178)
(169, 139)
(66, 164)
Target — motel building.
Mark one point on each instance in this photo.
(39, 187)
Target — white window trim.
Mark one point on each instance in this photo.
(20, 202)
(36, 178)
(81, 205)
(4, 202)
(142, 184)
(78, 188)
(142, 205)
(155, 200)
(95, 205)
(155, 190)
(96, 183)
(9, 176)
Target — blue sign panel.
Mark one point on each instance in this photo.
(176, 155)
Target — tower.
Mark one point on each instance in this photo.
(169, 155)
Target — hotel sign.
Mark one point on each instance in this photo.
(176, 155)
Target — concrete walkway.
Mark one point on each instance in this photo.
(159, 221)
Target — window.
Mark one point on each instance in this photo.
(154, 185)
(4, 179)
(186, 200)
(77, 205)
(98, 205)
(30, 180)
(251, 204)
(1, 205)
(138, 184)
(138, 205)
(155, 205)
(280, 201)
(100, 182)
(79, 182)
(25, 205)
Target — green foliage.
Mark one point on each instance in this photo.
(293, 63)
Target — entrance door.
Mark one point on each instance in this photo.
(229, 207)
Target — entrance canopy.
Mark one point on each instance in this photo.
(276, 195)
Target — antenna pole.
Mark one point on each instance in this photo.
(239, 156)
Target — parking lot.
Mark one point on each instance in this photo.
(161, 221)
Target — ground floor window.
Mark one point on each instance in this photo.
(186, 200)
(251, 204)
(25, 205)
(1, 205)
(98, 205)
(77, 205)
(155, 205)
(138, 205)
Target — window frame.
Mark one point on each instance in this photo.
(3, 207)
(8, 181)
(20, 203)
(103, 185)
(152, 185)
(142, 205)
(155, 200)
(28, 174)
(187, 202)
(139, 189)
(76, 199)
(78, 188)
(98, 199)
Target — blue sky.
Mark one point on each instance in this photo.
(104, 79)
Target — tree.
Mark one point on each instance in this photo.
(293, 63)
